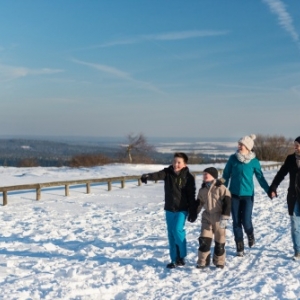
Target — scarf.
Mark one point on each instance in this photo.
(207, 184)
(245, 158)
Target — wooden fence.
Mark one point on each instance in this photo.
(38, 186)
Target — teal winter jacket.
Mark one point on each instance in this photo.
(241, 176)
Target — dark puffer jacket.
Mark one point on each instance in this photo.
(289, 166)
(180, 188)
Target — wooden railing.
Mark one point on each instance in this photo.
(38, 186)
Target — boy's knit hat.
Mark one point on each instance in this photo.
(297, 140)
(212, 171)
(248, 141)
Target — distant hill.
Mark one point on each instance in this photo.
(47, 153)
(57, 153)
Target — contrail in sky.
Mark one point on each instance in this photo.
(285, 20)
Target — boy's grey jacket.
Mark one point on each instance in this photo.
(180, 189)
(215, 200)
(289, 166)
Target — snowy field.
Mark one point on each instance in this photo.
(113, 245)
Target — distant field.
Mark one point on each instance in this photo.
(59, 151)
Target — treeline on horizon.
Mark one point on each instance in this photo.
(137, 150)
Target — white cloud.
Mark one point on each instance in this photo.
(106, 69)
(285, 20)
(119, 74)
(183, 35)
(8, 73)
(166, 36)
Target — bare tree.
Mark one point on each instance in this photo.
(89, 160)
(272, 148)
(137, 145)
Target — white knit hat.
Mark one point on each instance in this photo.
(248, 141)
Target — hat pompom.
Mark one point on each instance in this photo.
(252, 136)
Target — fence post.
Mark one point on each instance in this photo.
(88, 188)
(38, 193)
(139, 182)
(67, 190)
(109, 185)
(122, 183)
(4, 198)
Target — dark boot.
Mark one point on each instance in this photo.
(240, 248)
(171, 266)
(251, 240)
(180, 262)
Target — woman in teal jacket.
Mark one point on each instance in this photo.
(238, 175)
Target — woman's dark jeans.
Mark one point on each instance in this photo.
(241, 210)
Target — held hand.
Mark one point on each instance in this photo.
(192, 217)
(273, 195)
(223, 223)
(144, 178)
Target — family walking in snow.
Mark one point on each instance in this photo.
(233, 194)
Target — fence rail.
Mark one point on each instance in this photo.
(38, 186)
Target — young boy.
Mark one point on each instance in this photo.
(215, 198)
(180, 192)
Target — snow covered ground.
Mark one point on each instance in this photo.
(113, 245)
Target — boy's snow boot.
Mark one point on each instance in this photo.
(180, 262)
(251, 240)
(171, 265)
(240, 248)
(207, 263)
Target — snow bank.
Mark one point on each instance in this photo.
(113, 245)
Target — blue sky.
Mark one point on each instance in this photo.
(164, 68)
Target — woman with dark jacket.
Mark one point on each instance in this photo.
(291, 165)
(180, 192)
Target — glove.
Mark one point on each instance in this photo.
(272, 193)
(192, 217)
(223, 223)
(144, 178)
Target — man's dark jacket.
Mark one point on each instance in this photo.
(289, 166)
(179, 189)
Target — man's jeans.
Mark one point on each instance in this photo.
(241, 210)
(295, 228)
